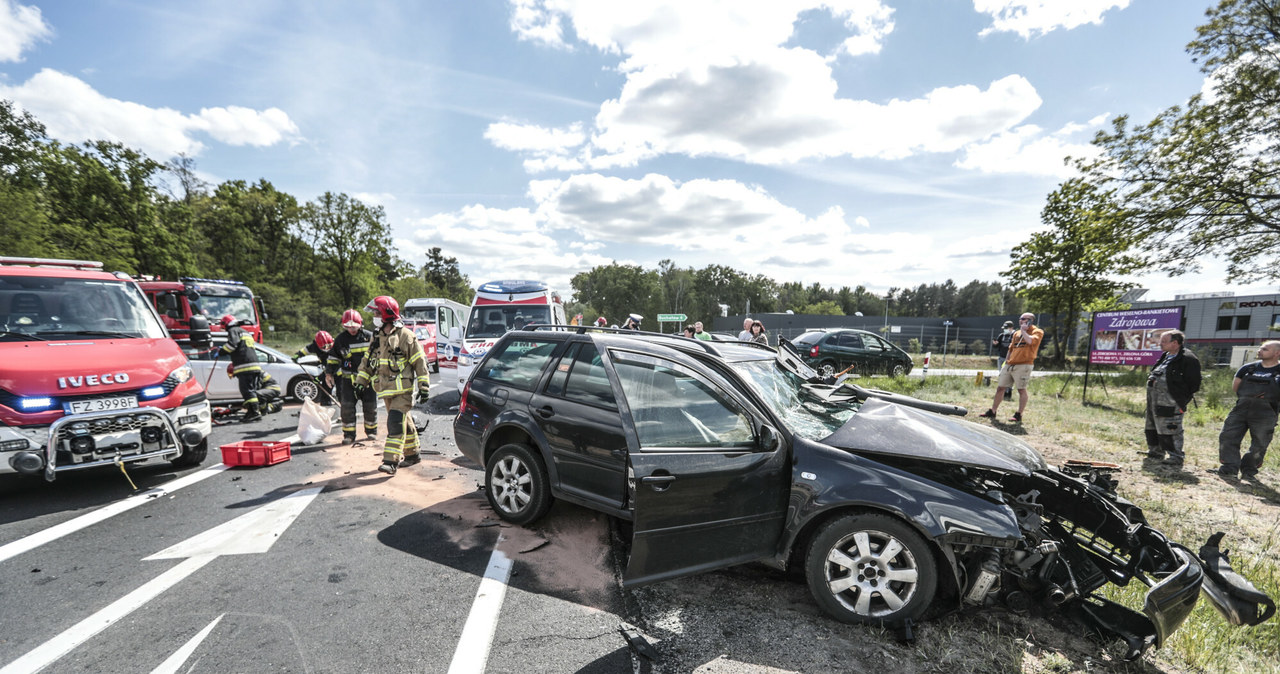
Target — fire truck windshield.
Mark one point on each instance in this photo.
(66, 308)
(215, 307)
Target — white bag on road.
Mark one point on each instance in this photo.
(313, 422)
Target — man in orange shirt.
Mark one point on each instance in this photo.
(1016, 372)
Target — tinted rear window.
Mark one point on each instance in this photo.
(809, 338)
(518, 363)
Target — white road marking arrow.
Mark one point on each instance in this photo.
(250, 533)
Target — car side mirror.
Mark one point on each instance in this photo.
(199, 333)
(768, 438)
(170, 302)
(455, 333)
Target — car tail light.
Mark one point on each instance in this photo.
(813, 353)
(462, 402)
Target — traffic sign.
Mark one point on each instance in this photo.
(672, 318)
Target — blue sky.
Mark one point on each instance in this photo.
(849, 142)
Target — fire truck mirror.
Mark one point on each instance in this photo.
(199, 331)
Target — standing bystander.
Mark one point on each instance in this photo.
(745, 335)
(1257, 387)
(1173, 381)
(1016, 373)
(699, 334)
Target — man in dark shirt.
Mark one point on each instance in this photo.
(1173, 381)
(1257, 387)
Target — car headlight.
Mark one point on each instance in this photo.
(181, 374)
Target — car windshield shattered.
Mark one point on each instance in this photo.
(806, 411)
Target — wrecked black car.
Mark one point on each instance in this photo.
(726, 453)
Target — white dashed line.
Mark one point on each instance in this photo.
(477, 635)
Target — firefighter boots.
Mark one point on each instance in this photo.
(388, 467)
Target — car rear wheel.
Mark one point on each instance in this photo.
(302, 388)
(516, 484)
(827, 369)
(871, 568)
(899, 370)
(192, 456)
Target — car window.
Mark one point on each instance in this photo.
(875, 343)
(851, 340)
(518, 363)
(671, 407)
(580, 376)
(809, 338)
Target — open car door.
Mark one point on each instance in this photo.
(711, 480)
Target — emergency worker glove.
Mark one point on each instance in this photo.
(358, 389)
(423, 386)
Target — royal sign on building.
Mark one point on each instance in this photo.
(1131, 337)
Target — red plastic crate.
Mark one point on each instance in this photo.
(255, 453)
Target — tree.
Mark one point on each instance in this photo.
(442, 272)
(616, 290)
(823, 308)
(349, 238)
(22, 138)
(1073, 263)
(1204, 179)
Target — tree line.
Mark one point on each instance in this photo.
(103, 201)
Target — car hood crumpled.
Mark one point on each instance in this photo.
(886, 428)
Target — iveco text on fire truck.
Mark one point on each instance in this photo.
(500, 306)
(88, 374)
(177, 301)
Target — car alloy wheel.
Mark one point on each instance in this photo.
(871, 568)
(899, 370)
(516, 484)
(303, 388)
(827, 369)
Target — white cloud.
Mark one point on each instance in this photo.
(1027, 150)
(21, 26)
(738, 92)
(1029, 18)
(74, 112)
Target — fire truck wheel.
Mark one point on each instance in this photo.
(192, 456)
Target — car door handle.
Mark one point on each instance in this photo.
(658, 482)
(546, 412)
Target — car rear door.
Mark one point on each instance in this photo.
(707, 495)
(578, 415)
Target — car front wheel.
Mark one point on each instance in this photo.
(899, 370)
(516, 484)
(302, 388)
(871, 568)
(192, 456)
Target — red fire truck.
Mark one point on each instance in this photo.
(88, 374)
(177, 301)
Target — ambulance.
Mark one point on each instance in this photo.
(431, 318)
(499, 307)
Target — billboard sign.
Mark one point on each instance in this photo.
(1131, 337)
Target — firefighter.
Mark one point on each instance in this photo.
(397, 369)
(319, 347)
(349, 349)
(244, 363)
(270, 398)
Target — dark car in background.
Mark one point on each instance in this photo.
(723, 453)
(831, 350)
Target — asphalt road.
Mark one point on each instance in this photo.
(323, 564)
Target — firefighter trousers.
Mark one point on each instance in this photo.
(347, 399)
(402, 435)
(249, 383)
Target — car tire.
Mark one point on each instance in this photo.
(826, 369)
(848, 563)
(301, 388)
(516, 484)
(192, 456)
(899, 370)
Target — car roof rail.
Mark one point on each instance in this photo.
(707, 345)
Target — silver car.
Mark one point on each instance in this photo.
(297, 380)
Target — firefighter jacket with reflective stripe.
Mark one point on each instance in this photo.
(348, 352)
(244, 357)
(312, 349)
(396, 364)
